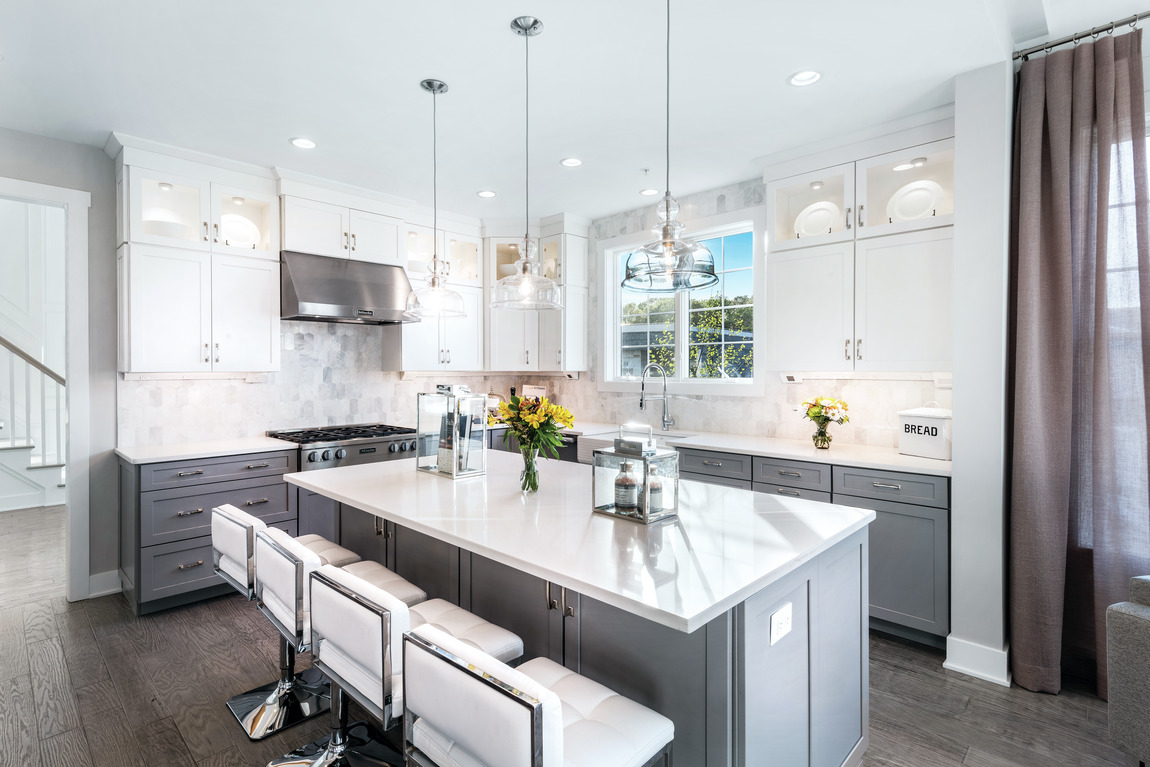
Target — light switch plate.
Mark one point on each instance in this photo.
(780, 623)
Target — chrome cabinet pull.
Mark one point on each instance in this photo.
(886, 486)
(217, 352)
(798, 474)
(784, 491)
(345, 241)
(379, 526)
(256, 466)
(568, 610)
(448, 356)
(353, 242)
(205, 231)
(847, 349)
(189, 513)
(552, 603)
(197, 563)
(256, 503)
(848, 218)
(189, 473)
(860, 217)
(527, 355)
(858, 349)
(207, 353)
(215, 232)
(712, 463)
(559, 357)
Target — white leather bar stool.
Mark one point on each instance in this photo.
(357, 637)
(465, 708)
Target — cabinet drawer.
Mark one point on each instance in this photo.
(163, 476)
(792, 492)
(810, 476)
(891, 485)
(729, 465)
(183, 566)
(744, 484)
(176, 515)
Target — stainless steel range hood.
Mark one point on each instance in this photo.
(340, 290)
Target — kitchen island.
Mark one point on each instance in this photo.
(677, 616)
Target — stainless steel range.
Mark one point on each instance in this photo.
(330, 446)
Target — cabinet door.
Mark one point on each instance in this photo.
(374, 238)
(573, 266)
(810, 305)
(519, 603)
(362, 533)
(463, 336)
(166, 209)
(508, 340)
(169, 310)
(244, 222)
(812, 209)
(316, 227)
(422, 343)
(551, 340)
(245, 314)
(906, 191)
(318, 515)
(418, 245)
(463, 253)
(903, 302)
(563, 333)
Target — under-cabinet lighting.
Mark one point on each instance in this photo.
(804, 78)
(302, 143)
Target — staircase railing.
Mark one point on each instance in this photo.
(32, 397)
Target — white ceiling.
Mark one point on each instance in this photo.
(238, 78)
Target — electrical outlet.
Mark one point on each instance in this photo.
(780, 623)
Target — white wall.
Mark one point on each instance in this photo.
(60, 163)
(978, 557)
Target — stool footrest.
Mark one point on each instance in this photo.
(358, 749)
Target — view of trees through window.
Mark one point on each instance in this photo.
(703, 334)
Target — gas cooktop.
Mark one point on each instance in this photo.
(340, 433)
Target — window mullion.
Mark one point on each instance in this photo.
(682, 327)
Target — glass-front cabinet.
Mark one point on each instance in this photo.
(243, 222)
(462, 252)
(907, 190)
(812, 209)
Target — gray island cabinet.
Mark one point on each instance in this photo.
(677, 616)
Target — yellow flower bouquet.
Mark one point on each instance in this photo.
(824, 411)
(536, 424)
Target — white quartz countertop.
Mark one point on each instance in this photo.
(191, 451)
(725, 545)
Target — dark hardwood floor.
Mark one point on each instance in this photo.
(89, 684)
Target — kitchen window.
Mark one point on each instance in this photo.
(700, 336)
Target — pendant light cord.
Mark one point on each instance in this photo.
(434, 171)
(668, 186)
(527, 140)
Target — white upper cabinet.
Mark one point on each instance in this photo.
(418, 248)
(904, 191)
(245, 314)
(462, 253)
(563, 334)
(316, 227)
(374, 238)
(812, 209)
(447, 343)
(564, 258)
(244, 223)
(513, 341)
(810, 305)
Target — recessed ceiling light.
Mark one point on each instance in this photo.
(485, 193)
(164, 186)
(804, 78)
(303, 143)
(571, 162)
(648, 192)
(237, 200)
(816, 185)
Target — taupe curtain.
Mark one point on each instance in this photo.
(1080, 514)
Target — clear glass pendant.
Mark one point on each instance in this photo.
(670, 263)
(435, 300)
(526, 288)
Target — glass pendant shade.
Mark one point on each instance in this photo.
(670, 263)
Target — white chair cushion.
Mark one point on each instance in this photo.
(465, 722)
(494, 640)
(600, 727)
(233, 537)
(328, 552)
(276, 575)
(382, 578)
(352, 640)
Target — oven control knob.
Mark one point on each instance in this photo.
(411, 447)
(403, 446)
(312, 457)
(341, 453)
(393, 447)
(326, 455)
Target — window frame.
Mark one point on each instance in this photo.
(610, 252)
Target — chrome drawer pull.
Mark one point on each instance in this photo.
(189, 473)
(886, 486)
(256, 466)
(712, 463)
(256, 503)
(189, 513)
(798, 474)
(197, 563)
(784, 491)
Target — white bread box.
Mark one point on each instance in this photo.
(925, 431)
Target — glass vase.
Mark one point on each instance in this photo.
(821, 438)
(529, 478)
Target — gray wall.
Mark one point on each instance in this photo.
(60, 163)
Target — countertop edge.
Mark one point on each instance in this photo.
(192, 451)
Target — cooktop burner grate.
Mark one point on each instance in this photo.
(340, 433)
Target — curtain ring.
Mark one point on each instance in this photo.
(1046, 49)
(1134, 23)
(1093, 34)
(1110, 29)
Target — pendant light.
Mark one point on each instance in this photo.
(527, 288)
(669, 264)
(435, 299)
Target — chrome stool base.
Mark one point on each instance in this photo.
(353, 747)
(291, 699)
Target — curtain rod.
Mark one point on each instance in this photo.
(1092, 32)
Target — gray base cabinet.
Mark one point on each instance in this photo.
(318, 514)
(166, 517)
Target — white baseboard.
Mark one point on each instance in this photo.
(979, 661)
(103, 584)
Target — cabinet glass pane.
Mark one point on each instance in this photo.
(909, 187)
(810, 208)
(463, 256)
(244, 222)
(420, 249)
(506, 254)
(170, 209)
(551, 259)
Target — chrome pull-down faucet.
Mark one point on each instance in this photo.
(668, 421)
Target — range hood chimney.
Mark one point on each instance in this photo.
(325, 289)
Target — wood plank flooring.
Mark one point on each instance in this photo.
(91, 685)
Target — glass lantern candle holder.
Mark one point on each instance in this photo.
(640, 485)
(451, 432)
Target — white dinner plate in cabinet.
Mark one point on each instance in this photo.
(918, 199)
(238, 232)
(817, 218)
